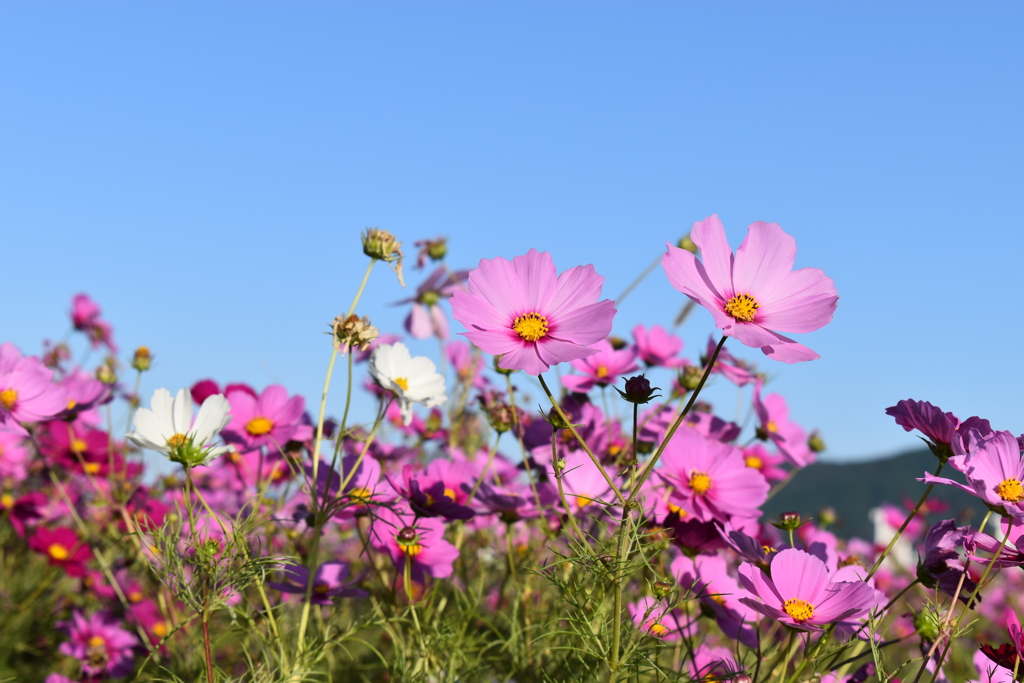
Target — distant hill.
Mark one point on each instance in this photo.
(854, 488)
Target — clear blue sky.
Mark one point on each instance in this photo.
(203, 170)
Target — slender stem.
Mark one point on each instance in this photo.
(620, 560)
(640, 278)
(483, 472)
(362, 286)
(206, 646)
(906, 522)
(561, 414)
(672, 430)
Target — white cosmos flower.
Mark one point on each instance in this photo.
(412, 380)
(168, 427)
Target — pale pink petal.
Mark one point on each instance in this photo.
(764, 260)
(751, 334)
(554, 351)
(523, 358)
(576, 287)
(271, 401)
(496, 282)
(803, 309)
(417, 323)
(709, 236)
(585, 325)
(538, 276)
(440, 321)
(788, 351)
(477, 313)
(494, 341)
(688, 275)
(797, 574)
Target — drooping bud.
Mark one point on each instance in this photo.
(381, 244)
(354, 332)
(142, 359)
(815, 442)
(688, 244)
(638, 390)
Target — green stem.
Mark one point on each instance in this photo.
(906, 522)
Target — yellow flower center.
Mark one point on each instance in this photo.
(530, 327)
(258, 426)
(72, 403)
(602, 371)
(672, 507)
(1010, 490)
(772, 427)
(91, 467)
(719, 599)
(57, 551)
(742, 307)
(412, 550)
(754, 462)
(97, 641)
(321, 588)
(8, 397)
(700, 483)
(362, 496)
(177, 440)
(403, 383)
(657, 629)
(800, 610)
(160, 629)
(135, 596)
(7, 500)
(79, 446)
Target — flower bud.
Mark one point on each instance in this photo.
(827, 517)
(662, 589)
(815, 442)
(638, 390)
(381, 244)
(644, 447)
(406, 535)
(556, 421)
(688, 244)
(429, 298)
(142, 359)
(618, 343)
(354, 332)
(926, 623)
(437, 249)
(106, 374)
(788, 521)
(559, 466)
(498, 369)
(689, 377)
(499, 413)
(742, 678)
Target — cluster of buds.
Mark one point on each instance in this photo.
(382, 245)
(354, 332)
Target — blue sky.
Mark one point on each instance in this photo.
(204, 170)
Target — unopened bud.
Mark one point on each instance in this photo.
(788, 521)
(742, 678)
(437, 249)
(638, 390)
(556, 421)
(106, 374)
(827, 516)
(618, 343)
(662, 589)
(406, 535)
(354, 332)
(142, 359)
(688, 244)
(559, 465)
(499, 413)
(498, 369)
(926, 623)
(690, 376)
(381, 244)
(644, 447)
(429, 298)
(815, 442)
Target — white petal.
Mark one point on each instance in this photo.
(163, 410)
(182, 413)
(213, 417)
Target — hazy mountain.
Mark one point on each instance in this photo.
(854, 488)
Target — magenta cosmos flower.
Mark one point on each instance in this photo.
(603, 368)
(755, 289)
(531, 316)
(800, 594)
(99, 644)
(994, 471)
(272, 419)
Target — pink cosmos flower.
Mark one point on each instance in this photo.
(737, 371)
(710, 478)
(941, 429)
(427, 318)
(101, 646)
(758, 457)
(329, 581)
(14, 457)
(532, 316)
(994, 471)
(62, 547)
(788, 436)
(27, 391)
(418, 540)
(656, 347)
(654, 617)
(601, 369)
(800, 594)
(272, 419)
(755, 289)
(712, 663)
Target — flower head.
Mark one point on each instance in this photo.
(270, 419)
(167, 427)
(99, 644)
(63, 548)
(329, 582)
(532, 316)
(411, 379)
(756, 291)
(601, 369)
(994, 472)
